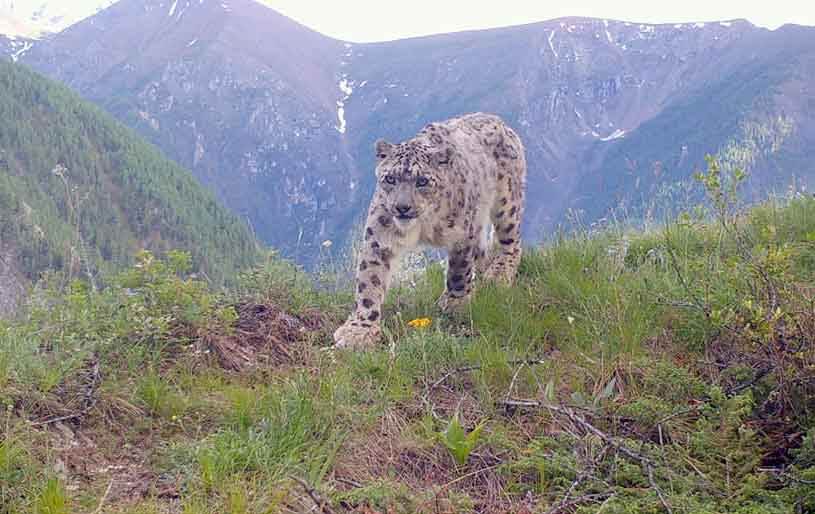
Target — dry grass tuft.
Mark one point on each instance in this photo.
(264, 333)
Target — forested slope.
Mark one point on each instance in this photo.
(82, 194)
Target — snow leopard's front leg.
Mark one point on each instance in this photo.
(462, 263)
(381, 247)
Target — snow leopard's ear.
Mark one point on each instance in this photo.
(383, 149)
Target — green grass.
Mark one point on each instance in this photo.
(690, 346)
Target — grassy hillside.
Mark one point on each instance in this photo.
(82, 194)
(625, 372)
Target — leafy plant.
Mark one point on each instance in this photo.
(459, 443)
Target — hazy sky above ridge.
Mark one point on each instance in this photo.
(367, 20)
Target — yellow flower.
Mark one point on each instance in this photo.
(419, 322)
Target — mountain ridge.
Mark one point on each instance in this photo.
(279, 120)
(51, 18)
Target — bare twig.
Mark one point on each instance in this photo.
(750, 383)
(646, 462)
(470, 474)
(658, 489)
(680, 303)
(49, 421)
(450, 373)
(782, 473)
(464, 369)
(104, 497)
(514, 378)
(447, 485)
(348, 481)
(585, 425)
(582, 477)
(315, 496)
(605, 502)
(696, 301)
(586, 498)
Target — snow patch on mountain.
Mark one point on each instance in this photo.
(617, 134)
(551, 45)
(19, 49)
(341, 117)
(347, 88)
(608, 34)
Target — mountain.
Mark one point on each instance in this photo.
(82, 194)
(759, 117)
(279, 120)
(242, 96)
(588, 97)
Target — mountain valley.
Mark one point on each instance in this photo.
(279, 121)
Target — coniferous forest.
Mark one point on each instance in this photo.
(82, 194)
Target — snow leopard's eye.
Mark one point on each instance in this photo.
(390, 179)
(422, 182)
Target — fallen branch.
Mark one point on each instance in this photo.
(585, 474)
(644, 461)
(315, 496)
(581, 421)
(577, 500)
(57, 419)
(658, 489)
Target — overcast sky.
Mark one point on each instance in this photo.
(381, 20)
(371, 20)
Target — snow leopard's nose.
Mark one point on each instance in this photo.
(402, 209)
